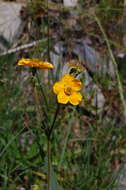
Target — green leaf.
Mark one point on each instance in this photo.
(83, 139)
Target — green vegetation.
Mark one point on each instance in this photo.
(87, 144)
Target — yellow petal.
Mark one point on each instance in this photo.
(45, 65)
(67, 78)
(57, 87)
(35, 63)
(75, 98)
(24, 61)
(76, 85)
(62, 98)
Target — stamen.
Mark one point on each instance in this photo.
(68, 91)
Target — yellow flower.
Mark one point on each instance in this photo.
(67, 90)
(35, 63)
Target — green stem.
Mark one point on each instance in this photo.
(43, 110)
(54, 120)
(42, 90)
(48, 136)
(48, 32)
(49, 147)
(49, 163)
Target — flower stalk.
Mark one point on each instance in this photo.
(49, 163)
(48, 135)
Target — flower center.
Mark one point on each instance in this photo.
(68, 91)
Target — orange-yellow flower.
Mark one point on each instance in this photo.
(67, 90)
(35, 63)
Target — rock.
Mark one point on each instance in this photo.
(94, 62)
(11, 25)
(70, 3)
(57, 60)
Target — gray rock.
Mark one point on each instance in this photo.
(70, 3)
(11, 25)
(93, 60)
(57, 60)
